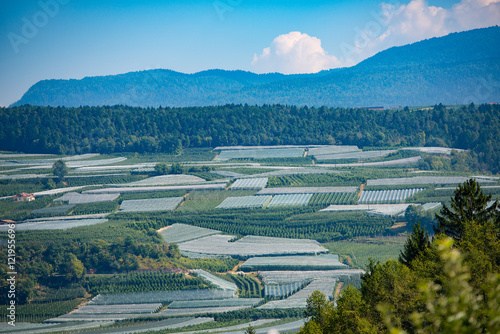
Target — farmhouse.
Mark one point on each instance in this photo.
(24, 197)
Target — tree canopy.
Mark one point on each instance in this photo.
(113, 129)
(468, 204)
(59, 169)
(451, 285)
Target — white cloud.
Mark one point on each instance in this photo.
(394, 25)
(402, 24)
(292, 53)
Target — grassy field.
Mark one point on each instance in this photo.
(359, 250)
(208, 200)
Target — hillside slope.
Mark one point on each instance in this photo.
(454, 69)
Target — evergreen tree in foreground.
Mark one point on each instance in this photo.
(469, 204)
(417, 242)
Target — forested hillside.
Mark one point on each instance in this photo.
(128, 129)
(458, 68)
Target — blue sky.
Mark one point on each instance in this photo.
(54, 39)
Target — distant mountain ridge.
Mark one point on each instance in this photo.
(457, 68)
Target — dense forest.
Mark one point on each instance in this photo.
(127, 129)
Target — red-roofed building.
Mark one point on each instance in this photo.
(24, 197)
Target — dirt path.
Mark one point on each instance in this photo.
(361, 188)
(337, 290)
(162, 229)
(235, 269)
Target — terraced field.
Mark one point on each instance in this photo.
(249, 184)
(151, 204)
(245, 202)
(167, 180)
(181, 232)
(299, 299)
(260, 153)
(319, 262)
(249, 246)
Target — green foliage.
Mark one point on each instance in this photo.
(59, 169)
(39, 312)
(302, 223)
(316, 308)
(213, 265)
(256, 314)
(13, 187)
(357, 252)
(248, 287)
(19, 211)
(156, 194)
(164, 169)
(450, 286)
(468, 204)
(92, 208)
(104, 179)
(454, 306)
(250, 330)
(466, 127)
(47, 295)
(417, 242)
(326, 199)
(141, 282)
(314, 180)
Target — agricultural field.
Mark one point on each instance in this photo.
(151, 204)
(126, 190)
(417, 180)
(281, 171)
(61, 223)
(287, 263)
(249, 184)
(260, 153)
(201, 310)
(76, 198)
(303, 276)
(298, 299)
(318, 152)
(250, 246)
(178, 233)
(364, 155)
(160, 297)
(290, 200)
(307, 190)
(245, 202)
(333, 198)
(167, 180)
(206, 200)
(358, 251)
(286, 229)
(234, 302)
(218, 282)
(282, 290)
(386, 210)
(387, 196)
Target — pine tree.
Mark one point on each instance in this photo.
(416, 243)
(469, 204)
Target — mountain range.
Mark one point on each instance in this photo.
(455, 69)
